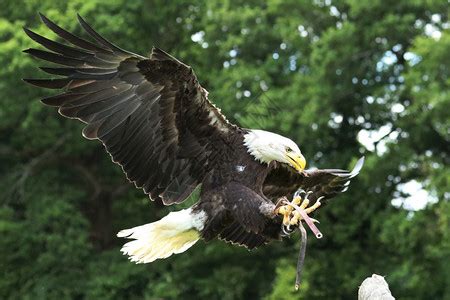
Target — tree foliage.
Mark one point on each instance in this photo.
(322, 72)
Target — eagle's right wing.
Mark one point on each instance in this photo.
(325, 183)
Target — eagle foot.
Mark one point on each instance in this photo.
(297, 210)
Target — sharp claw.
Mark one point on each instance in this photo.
(299, 192)
(306, 195)
(286, 231)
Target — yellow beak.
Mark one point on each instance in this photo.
(297, 161)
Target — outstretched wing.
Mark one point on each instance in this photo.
(151, 114)
(325, 183)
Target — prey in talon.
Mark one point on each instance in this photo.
(293, 213)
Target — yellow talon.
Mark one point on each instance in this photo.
(313, 208)
(295, 218)
(304, 204)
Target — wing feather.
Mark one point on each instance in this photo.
(237, 235)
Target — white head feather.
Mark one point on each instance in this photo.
(267, 146)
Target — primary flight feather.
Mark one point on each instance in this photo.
(157, 123)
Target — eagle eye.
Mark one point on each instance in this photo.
(288, 149)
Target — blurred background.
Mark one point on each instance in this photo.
(342, 78)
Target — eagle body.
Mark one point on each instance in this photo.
(156, 122)
(230, 196)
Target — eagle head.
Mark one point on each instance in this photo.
(267, 147)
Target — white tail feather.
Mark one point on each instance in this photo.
(173, 234)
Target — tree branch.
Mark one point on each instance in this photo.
(29, 168)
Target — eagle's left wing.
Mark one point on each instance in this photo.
(151, 114)
(326, 183)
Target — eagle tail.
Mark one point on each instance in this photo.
(173, 234)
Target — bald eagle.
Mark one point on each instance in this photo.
(155, 120)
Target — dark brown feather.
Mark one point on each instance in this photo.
(55, 58)
(237, 235)
(57, 47)
(83, 44)
(49, 83)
